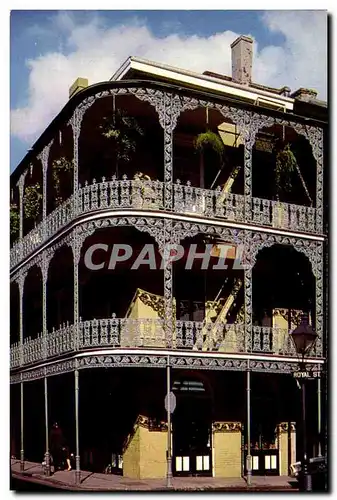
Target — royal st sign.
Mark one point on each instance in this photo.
(306, 374)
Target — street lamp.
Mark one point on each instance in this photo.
(304, 337)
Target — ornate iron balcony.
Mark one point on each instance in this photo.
(284, 215)
(149, 195)
(150, 333)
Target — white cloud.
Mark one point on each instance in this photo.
(302, 59)
(95, 52)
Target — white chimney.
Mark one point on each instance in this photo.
(242, 58)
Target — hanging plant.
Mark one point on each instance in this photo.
(286, 164)
(210, 139)
(123, 131)
(14, 221)
(32, 200)
(59, 168)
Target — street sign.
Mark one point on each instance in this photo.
(173, 402)
(306, 374)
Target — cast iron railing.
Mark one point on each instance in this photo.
(149, 195)
(150, 333)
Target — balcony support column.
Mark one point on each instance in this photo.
(46, 256)
(316, 138)
(317, 268)
(44, 157)
(248, 285)
(248, 136)
(21, 186)
(22, 453)
(249, 457)
(319, 416)
(21, 281)
(168, 111)
(169, 427)
(168, 170)
(47, 454)
(169, 311)
(77, 458)
(76, 244)
(76, 122)
(248, 269)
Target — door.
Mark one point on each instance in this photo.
(191, 440)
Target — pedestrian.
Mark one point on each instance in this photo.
(58, 448)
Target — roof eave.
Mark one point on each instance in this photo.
(203, 81)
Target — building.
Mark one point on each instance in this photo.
(168, 230)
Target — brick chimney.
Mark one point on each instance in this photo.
(242, 58)
(303, 94)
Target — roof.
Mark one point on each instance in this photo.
(136, 67)
(272, 90)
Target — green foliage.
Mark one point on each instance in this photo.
(123, 131)
(210, 139)
(59, 168)
(14, 221)
(32, 201)
(285, 166)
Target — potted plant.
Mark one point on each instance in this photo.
(14, 222)
(208, 140)
(285, 166)
(123, 131)
(60, 169)
(205, 142)
(32, 201)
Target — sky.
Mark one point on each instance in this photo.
(50, 49)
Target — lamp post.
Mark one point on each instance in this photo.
(304, 337)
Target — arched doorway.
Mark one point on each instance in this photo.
(192, 428)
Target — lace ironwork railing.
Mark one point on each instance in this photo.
(149, 195)
(56, 220)
(60, 341)
(272, 341)
(284, 215)
(125, 193)
(33, 350)
(150, 333)
(215, 203)
(60, 217)
(15, 351)
(209, 336)
(122, 332)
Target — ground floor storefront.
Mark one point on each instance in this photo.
(122, 424)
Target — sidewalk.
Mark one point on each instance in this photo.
(109, 482)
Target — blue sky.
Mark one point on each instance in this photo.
(49, 49)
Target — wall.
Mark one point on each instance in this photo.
(227, 449)
(287, 446)
(145, 453)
